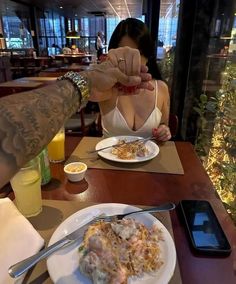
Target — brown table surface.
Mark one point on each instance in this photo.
(153, 189)
(73, 55)
(21, 83)
(24, 84)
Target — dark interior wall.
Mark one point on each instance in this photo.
(151, 10)
(194, 29)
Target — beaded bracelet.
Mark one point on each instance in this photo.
(81, 84)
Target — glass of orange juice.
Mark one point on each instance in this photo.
(56, 148)
(26, 185)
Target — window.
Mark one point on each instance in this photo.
(51, 33)
(17, 32)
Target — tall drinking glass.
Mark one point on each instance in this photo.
(56, 148)
(26, 185)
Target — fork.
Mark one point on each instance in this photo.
(142, 140)
(164, 207)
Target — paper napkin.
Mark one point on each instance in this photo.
(18, 239)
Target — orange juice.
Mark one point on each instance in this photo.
(56, 148)
(26, 185)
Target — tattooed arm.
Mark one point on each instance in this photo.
(29, 120)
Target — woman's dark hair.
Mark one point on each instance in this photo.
(138, 32)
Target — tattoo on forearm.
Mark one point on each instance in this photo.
(29, 120)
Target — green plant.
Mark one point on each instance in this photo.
(204, 108)
(219, 161)
(166, 67)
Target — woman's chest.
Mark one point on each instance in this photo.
(137, 105)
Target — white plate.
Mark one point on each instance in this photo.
(63, 265)
(153, 149)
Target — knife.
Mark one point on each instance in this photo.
(19, 268)
(124, 143)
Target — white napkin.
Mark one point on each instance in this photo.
(18, 239)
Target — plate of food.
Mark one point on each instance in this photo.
(134, 250)
(132, 152)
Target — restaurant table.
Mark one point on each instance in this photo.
(24, 84)
(150, 189)
(39, 61)
(74, 58)
(59, 71)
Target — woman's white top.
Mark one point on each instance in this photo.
(114, 123)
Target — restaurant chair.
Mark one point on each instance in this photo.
(173, 124)
(16, 67)
(31, 68)
(82, 124)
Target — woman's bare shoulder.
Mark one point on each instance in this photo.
(163, 90)
(162, 86)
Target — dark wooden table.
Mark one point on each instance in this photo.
(24, 84)
(153, 189)
(74, 58)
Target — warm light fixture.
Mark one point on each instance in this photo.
(226, 37)
(72, 34)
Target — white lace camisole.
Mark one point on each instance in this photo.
(114, 123)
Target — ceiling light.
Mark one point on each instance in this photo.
(226, 37)
(72, 34)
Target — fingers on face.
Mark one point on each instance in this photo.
(125, 79)
(127, 59)
(146, 85)
(144, 69)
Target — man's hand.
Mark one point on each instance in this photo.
(123, 66)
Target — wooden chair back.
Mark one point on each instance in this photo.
(173, 124)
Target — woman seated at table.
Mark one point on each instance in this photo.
(145, 113)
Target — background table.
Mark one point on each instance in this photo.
(24, 84)
(74, 58)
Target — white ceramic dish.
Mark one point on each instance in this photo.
(63, 265)
(152, 147)
(75, 171)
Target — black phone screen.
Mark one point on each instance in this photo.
(203, 226)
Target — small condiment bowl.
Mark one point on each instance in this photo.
(75, 171)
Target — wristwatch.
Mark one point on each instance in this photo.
(81, 84)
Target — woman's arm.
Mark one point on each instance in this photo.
(162, 132)
(165, 102)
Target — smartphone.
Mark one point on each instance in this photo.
(203, 228)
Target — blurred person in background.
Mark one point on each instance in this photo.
(100, 44)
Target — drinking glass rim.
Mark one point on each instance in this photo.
(34, 161)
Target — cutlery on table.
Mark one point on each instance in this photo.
(19, 268)
(124, 143)
(164, 207)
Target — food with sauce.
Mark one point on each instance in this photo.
(130, 150)
(112, 252)
(75, 168)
